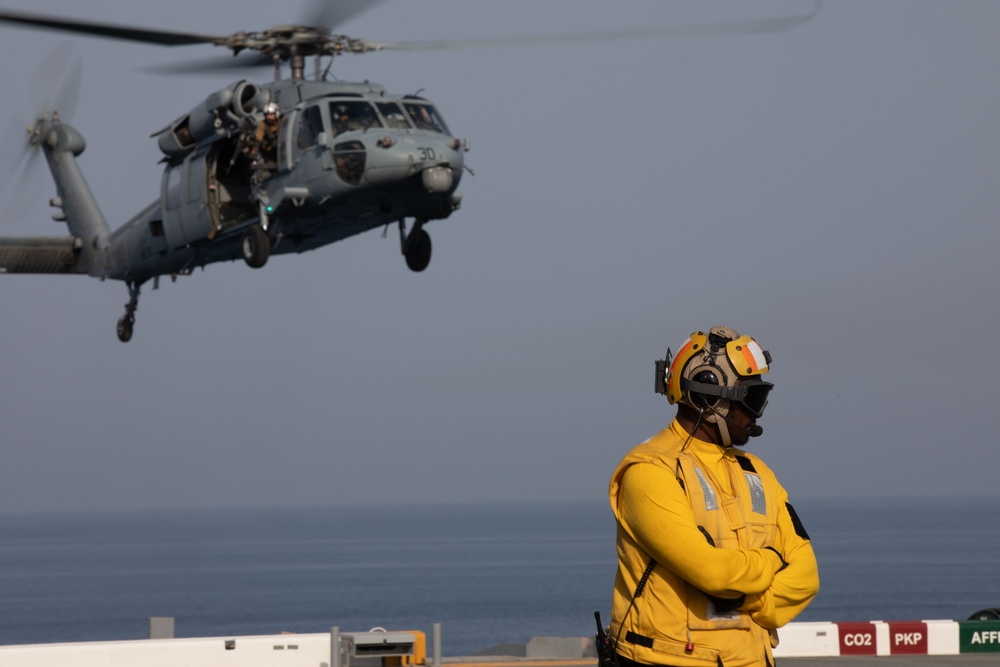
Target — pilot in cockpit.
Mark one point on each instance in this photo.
(341, 119)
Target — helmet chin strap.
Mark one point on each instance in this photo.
(716, 417)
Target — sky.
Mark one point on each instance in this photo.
(830, 190)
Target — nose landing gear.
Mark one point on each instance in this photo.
(416, 245)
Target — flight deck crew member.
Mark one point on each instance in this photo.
(712, 558)
(266, 142)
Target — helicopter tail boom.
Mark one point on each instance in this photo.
(89, 230)
(40, 254)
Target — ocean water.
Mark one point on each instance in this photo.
(487, 574)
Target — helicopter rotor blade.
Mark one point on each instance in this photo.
(21, 194)
(718, 28)
(162, 37)
(55, 85)
(711, 29)
(13, 149)
(54, 88)
(213, 65)
(332, 13)
(21, 179)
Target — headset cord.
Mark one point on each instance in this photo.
(697, 425)
(652, 562)
(638, 591)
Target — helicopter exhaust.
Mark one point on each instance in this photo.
(220, 113)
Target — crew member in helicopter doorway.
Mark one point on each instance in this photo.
(266, 142)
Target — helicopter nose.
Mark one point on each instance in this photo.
(437, 179)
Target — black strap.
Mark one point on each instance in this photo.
(629, 662)
(638, 640)
(746, 464)
(800, 530)
(646, 642)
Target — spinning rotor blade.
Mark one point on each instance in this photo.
(213, 65)
(55, 88)
(20, 178)
(337, 12)
(712, 29)
(332, 13)
(162, 37)
(56, 83)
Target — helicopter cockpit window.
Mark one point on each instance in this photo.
(352, 115)
(393, 114)
(426, 117)
(310, 126)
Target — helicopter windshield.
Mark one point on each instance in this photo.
(394, 116)
(352, 115)
(426, 117)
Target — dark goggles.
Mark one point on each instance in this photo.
(751, 394)
(755, 396)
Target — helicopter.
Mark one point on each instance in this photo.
(347, 157)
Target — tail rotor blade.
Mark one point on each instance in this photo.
(55, 87)
(56, 84)
(13, 150)
(21, 194)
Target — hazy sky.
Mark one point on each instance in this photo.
(831, 190)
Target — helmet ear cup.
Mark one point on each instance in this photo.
(704, 400)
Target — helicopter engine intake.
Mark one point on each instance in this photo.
(220, 113)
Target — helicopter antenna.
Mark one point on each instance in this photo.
(329, 66)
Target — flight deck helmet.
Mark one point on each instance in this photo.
(712, 370)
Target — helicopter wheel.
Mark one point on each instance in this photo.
(256, 247)
(418, 252)
(125, 324)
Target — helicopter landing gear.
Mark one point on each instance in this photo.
(127, 321)
(256, 247)
(416, 245)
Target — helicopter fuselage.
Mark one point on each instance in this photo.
(350, 157)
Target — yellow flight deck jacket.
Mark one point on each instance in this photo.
(668, 500)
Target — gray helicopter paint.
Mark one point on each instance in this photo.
(61, 144)
(416, 176)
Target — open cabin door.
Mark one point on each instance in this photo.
(209, 191)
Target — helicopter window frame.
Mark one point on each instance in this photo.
(394, 115)
(430, 119)
(310, 126)
(285, 141)
(362, 115)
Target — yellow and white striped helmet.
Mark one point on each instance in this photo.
(719, 365)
